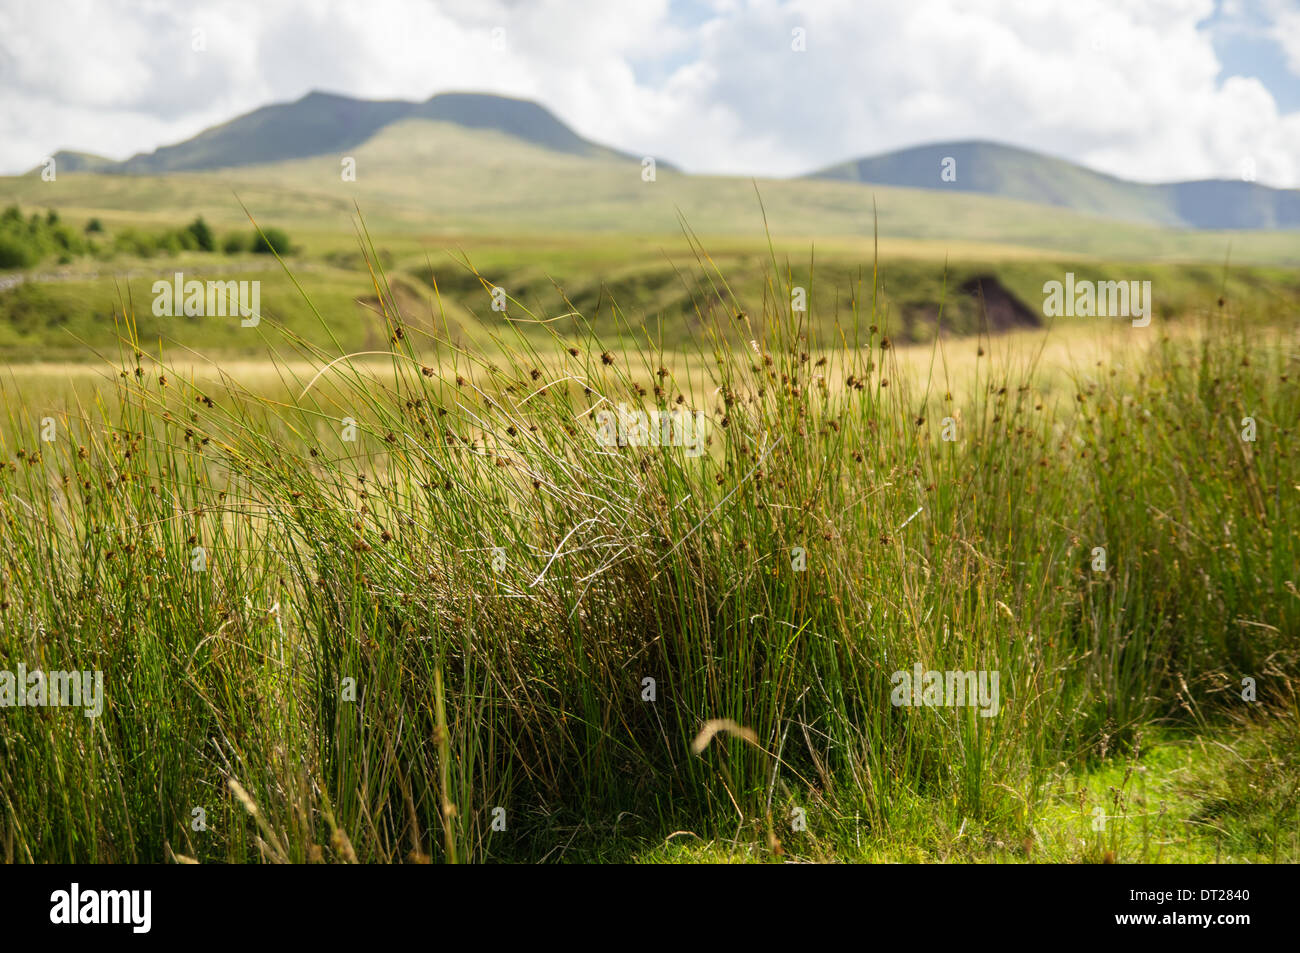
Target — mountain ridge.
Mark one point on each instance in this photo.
(992, 168)
(321, 123)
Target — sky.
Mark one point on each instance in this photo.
(1152, 90)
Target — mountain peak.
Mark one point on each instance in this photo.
(323, 123)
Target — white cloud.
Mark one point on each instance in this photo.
(1286, 30)
(1130, 86)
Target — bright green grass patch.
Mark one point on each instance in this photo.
(1231, 795)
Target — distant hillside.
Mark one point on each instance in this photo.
(326, 124)
(1226, 203)
(989, 168)
(68, 161)
(516, 117)
(323, 125)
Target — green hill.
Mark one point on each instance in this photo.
(322, 124)
(70, 161)
(990, 168)
(436, 180)
(470, 132)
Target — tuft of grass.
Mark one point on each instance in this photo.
(414, 608)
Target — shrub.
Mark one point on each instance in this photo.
(204, 240)
(173, 242)
(135, 242)
(14, 254)
(270, 240)
(26, 242)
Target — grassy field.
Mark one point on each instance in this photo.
(457, 211)
(409, 606)
(656, 283)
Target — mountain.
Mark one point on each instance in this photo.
(328, 124)
(1229, 203)
(990, 168)
(68, 161)
(474, 132)
(516, 117)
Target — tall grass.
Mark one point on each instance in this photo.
(432, 642)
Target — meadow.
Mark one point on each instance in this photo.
(652, 283)
(407, 606)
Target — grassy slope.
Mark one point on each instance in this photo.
(996, 169)
(434, 193)
(527, 217)
(440, 179)
(656, 281)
